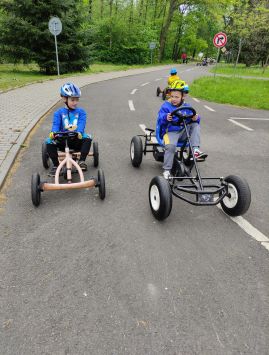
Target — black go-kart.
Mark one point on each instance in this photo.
(231, 192)
(165, 92)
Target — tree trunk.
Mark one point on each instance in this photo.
(146, 12)
(165, 27)
(90, 9)
(102, 8)
(176, 43)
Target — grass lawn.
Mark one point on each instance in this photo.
(241, 70)
(252, 93)
(12, 76)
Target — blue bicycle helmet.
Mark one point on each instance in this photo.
(173, 71)
(186, 89)
(70, 90)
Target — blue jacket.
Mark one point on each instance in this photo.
(164, 126)
(69, 120)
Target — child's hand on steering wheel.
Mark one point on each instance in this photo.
(169, 117)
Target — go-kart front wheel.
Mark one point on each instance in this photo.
(45, 156)
(158, 91)
(101, 184)
(238, 200)
(136, 151)
(35, 189)
(160, 198)
(95, 154)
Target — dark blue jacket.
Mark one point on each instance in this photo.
(164, 126)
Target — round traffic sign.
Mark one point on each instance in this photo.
(220, 39)
(55, 26)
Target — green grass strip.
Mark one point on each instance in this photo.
(13, 76)
(235, 91)
(241, 70)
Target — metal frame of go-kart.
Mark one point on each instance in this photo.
(194, 189)
(67, 160)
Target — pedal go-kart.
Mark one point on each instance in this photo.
(67, 167)
(165, 92)
(231, 192)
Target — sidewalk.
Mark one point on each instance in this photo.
(22, 108)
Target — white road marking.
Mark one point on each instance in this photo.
(158, 79)
(145, 84)
(209, 108)
(195, 99)
(143, 127)
(250, 118)
(266, 245)
(250, 229)
(133, 91)
(240, 124)
(189, 69)
(131, 105)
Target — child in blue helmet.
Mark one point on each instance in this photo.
(172, 134)
(69, 118)
(173, 76)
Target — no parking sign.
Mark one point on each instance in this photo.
(220, 39)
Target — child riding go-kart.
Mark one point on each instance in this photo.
(232, 192)
(172, 78)
(68, 165)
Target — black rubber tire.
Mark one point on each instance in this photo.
(160, 198)
(101, 184)
(164, 94)
(157, 155)
(95, 154)
(241, 195)
(158, 91)
(35, 189)
(45, 156)
(136, 151)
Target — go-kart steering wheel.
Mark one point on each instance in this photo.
(181, 115)
(65, 135)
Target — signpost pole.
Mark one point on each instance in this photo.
(216, 63)
(55, 27)
(57, 60)
(151, 55)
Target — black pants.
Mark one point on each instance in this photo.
(79, 145)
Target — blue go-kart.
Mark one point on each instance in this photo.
(231, 192)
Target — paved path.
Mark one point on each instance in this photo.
(22, 108)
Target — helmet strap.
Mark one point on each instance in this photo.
(66, 102)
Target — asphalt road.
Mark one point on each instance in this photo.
(83, 276)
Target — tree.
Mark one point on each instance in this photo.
(25, 35)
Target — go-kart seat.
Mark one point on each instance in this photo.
(161, 142)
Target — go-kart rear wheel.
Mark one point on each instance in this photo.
(164, 94)
(158, 91)
(101, 184)
(160, 198)
(136, 151)
(95, 154)
(45, 156)
(238, 200)
(35, 189)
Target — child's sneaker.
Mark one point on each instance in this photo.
(166, 174)
(199, 155)
(52, 171)
(83, 165)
